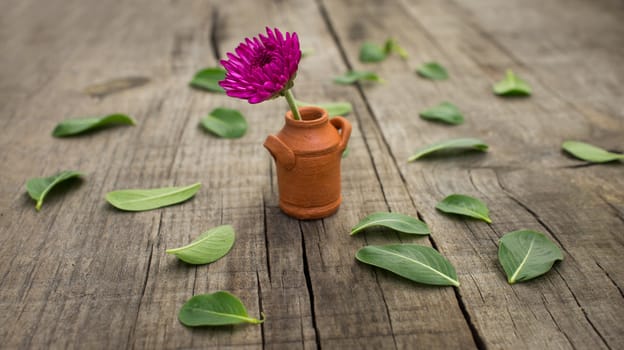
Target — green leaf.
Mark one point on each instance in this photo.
(217, 309)
(511, 85)
(465, 205)
(392, 46)
(370, 52)
(333, 108)
(526, 254)
(445, 112)
(346, 152)
(208, 79)
(39, 187)
(433, 71)
(210, 246)
(147, 199)
(464, 143)
(70, 127)
(415, 262)
(590, 153)
(395, 221)
(225, 122)
(352, 77)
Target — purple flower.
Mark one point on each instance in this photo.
(262, 67)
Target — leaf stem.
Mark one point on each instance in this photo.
(292, 103)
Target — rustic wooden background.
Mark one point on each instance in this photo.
(80, 274)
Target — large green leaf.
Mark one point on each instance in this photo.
(454, 144)
(147, 199)
(352, 77)
(433, 71)
(445, 112)
(39, 187)
(465, 205)
(225, 122)
(395, 221)
(526, 254)
(371, 52)
(415, 262)
(70, 127)
(512, 85)
(208, 79)
(217, 309)
(590, 153)
(210, 246)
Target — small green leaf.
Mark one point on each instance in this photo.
(208, 79)
(395, 221)
(465, 205)
(210, 246)
(346, 152)
(147, 199)
(512, 86)
(433, 71)
(445, 112)
(370, 52)
(415, 262)
(590, 153)
(70, 127)
(526, 254)
(39, 187)
(464, 143)
(217, 309)
(225, 122)
(333, 108)
(392, 46)
(352, 77)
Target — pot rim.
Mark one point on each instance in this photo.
(307, 123)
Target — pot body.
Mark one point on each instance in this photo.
(307, 157)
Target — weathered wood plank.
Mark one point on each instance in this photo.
(524, 134)
(350, 308)
(80, 274)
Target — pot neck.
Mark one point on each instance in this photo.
(311, 117)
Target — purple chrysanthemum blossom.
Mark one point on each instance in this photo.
(263, 67)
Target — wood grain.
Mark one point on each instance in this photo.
(80, 274)
(525, 178)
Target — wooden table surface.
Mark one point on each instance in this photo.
(80, 274)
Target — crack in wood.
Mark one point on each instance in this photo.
(617, 212)
(472, 327)
(308, 279)
(260, 308)
(542, 223)
(551, 232)
(266, 237)
(555, 322)
(176, 148)
(131, 334)
(214, 37)
(610, 279)
(578, 304)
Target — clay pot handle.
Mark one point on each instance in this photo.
(344, 126)
(282, 153)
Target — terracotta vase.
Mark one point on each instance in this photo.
(307, 157)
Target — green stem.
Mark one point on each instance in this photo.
(293, 105)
